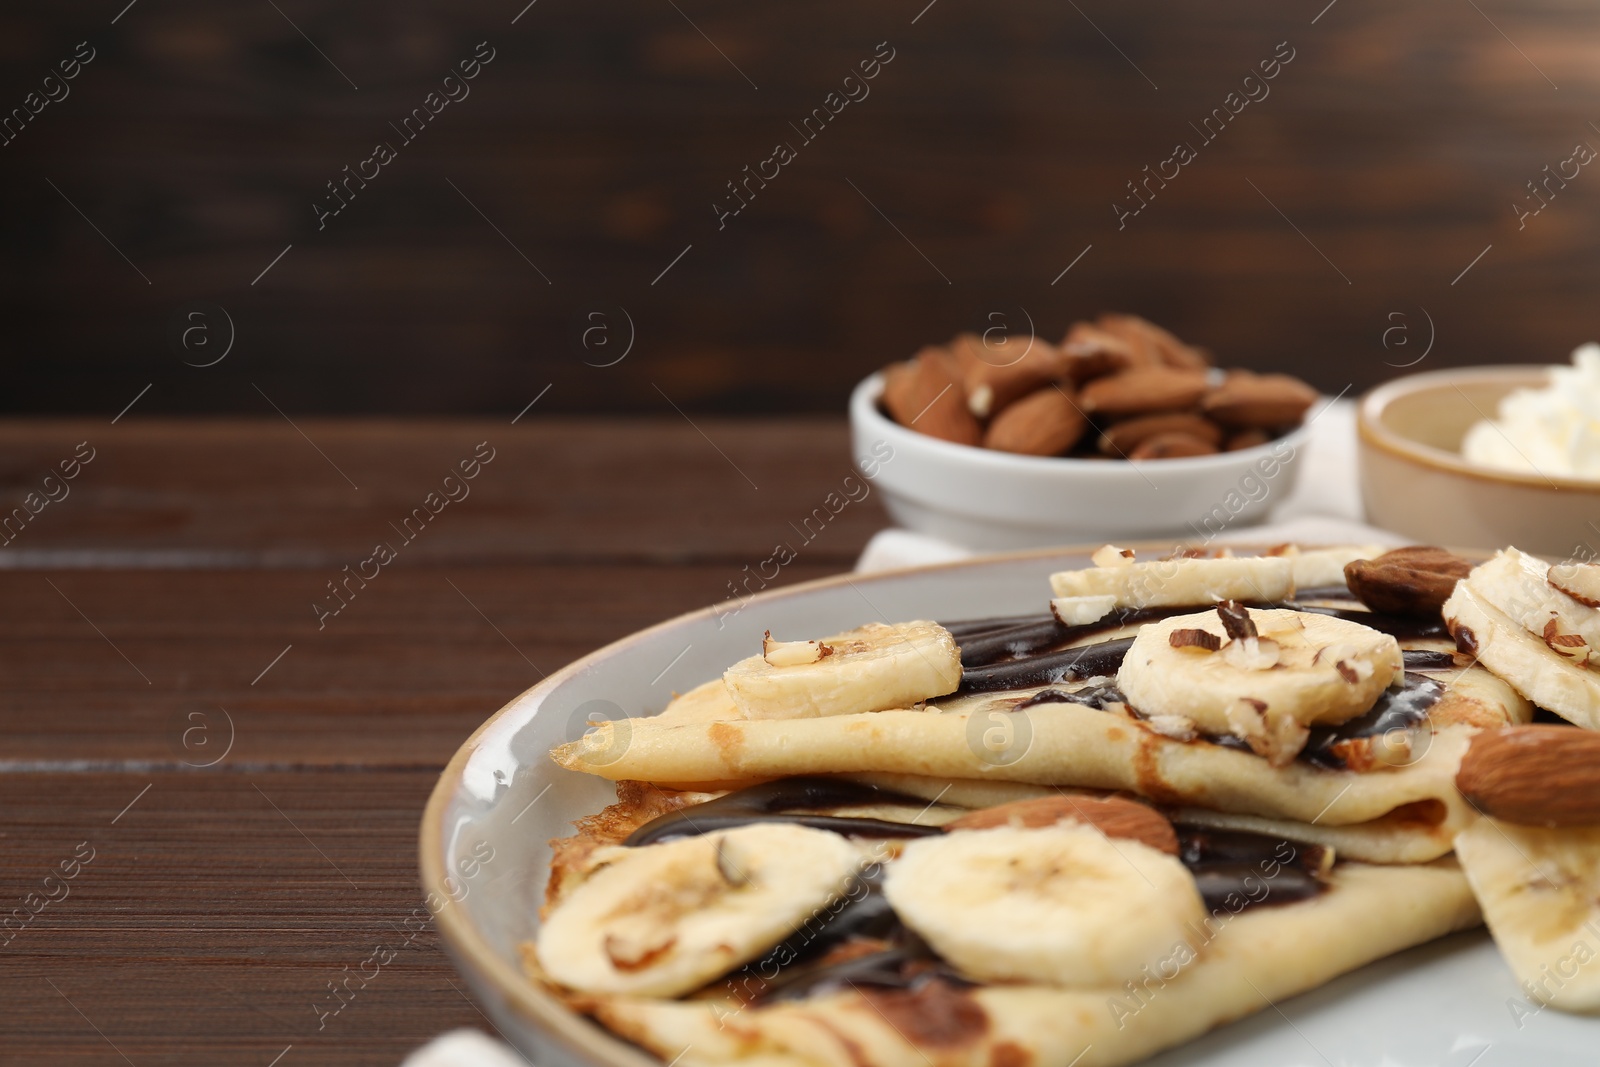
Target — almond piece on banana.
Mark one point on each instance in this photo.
(1580, 581)
(1415, 580)
(925, 395)
(1112, 816)
(792, 653)
(1534, 775)
(1143, 391)
(1259, 401)
(1044, 423)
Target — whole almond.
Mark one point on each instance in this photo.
(1043, 423)
(1143, 391)
(1534, 775)
(1415, 580)
(1172, 446)
(1120, 438)
(995, 375)
(1152, 344)
(1112, 816)
(1092, 353)
(1259, 401)
(1246, 439)
(923, 394)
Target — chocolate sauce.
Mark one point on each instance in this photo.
(1326, 592)
(1398, 708)
(1041, 634)
(1017, 651)
(1011, 642)
(1098, 697)
(1422, 659)
(971, 627)
(905, 967)
(1234, 869)
(1404, 627)
(1066, 665)
(787, 800)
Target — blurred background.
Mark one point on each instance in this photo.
(1408, 187)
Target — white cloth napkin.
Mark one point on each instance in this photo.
(1325, 506)
(465, 1048)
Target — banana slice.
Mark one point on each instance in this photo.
(1265, 676)
(1534, 668)
(1322, 567)
(1540, 894)
(1542, 600)
(662, 920)
(1179, 582)
(1060, 904)
(874, 667)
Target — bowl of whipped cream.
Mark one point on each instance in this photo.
(1488, 455)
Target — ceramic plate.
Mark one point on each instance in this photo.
(485, 856)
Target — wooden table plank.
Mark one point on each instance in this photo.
(160, 618)
(398, 679)
(324, 492)
(212, 916)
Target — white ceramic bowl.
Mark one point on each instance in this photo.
(485, 854)
(1414, 479)
(991, 500)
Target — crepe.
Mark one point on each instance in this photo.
(1057, 744)
(1241, 964)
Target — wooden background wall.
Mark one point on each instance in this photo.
(1388, 156)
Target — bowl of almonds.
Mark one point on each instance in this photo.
(1121, 430)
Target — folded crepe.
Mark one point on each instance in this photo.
(1257, 958)
(702, 741)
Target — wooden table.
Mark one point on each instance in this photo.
(209, 791)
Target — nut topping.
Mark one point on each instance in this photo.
(793, 653)
(1194, 638)
(1534, 775)
(1259, 401)
(1044, 423)
(1112, 816)
(1580, 581)
(925, 395)
(1236, 621)
(1138, 392)
(1143, 391)
(1415, 580)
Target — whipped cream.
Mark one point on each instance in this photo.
(1554, 430)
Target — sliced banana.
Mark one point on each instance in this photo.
(871, 668)
(662, 920)
(1179, 582)
(1060, 904)
(1536, 670)
(1540, 894)
(1540, 599)
(1299, 669)
(1321, 567)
